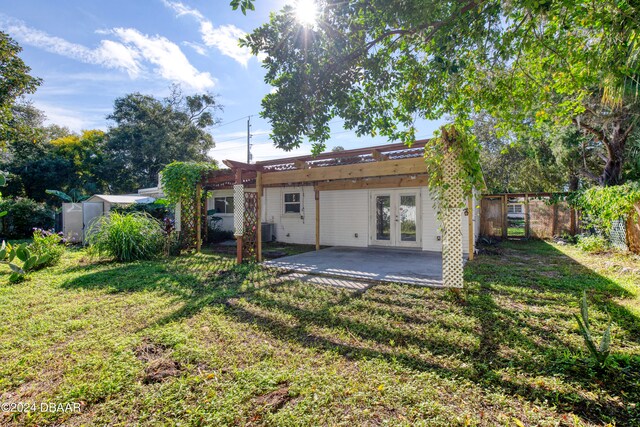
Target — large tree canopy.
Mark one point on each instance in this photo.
(15, 80)
(149, 133)
(381, 64)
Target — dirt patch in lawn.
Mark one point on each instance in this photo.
(159, 366)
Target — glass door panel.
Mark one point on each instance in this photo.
(408, 218)
(383, 217)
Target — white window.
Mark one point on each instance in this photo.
(292, 203)
(514, 209)
(223, 205)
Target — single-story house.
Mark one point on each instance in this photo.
(368, 197)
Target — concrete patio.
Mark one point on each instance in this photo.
(367, 264)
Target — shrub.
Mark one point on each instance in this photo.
(23, 215)
(126, 237)
(159, 209)
(593, 244)
(215, 234)
(49, 245)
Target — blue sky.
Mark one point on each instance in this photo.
(88, 53)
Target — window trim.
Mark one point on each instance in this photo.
(226, 205)
(285, 203)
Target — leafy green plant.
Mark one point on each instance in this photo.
(47, 244)
(593, 244)
(600, 352)
(179, 179)
(126, 237)
(601, 206)
(73, 196)
(30, 260)
(159, 209)
(23, 216)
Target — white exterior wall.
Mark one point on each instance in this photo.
(227, 219)
(343, 215)
(291, 227)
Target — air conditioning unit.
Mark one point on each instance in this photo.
(268, 232)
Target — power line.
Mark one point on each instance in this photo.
(232, 121)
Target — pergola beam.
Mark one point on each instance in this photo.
(301, 164)
(232, 164)
(369, 183)
(378, 156)
(346, 153)
(410, 166)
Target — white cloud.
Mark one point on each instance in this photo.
(128, 54)
(171, 62)
(224, 38)
(109, 54)
(73, 119)
(197, 47)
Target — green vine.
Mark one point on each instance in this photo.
(179, 179)
(457, 139)
(601, 206)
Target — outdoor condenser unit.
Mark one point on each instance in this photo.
(268, 231)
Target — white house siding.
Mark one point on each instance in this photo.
(343, 215)
(291, 227)
(431, 233)
(227, 219)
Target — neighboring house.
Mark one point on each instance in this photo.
(389, 211)
(515, 210)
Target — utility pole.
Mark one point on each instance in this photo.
(248, 139)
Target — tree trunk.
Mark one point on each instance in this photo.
(612, 173)
(574, 181)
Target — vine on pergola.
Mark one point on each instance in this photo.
(179, 184)
(453, 142)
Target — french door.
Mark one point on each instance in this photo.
(395, 218)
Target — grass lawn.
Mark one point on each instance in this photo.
(196, 340)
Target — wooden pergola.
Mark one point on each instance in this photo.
(384, 166)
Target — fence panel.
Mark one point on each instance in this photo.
(541, 219)
(491, 217)
(633, 230)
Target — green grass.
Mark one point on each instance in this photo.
(198, 341)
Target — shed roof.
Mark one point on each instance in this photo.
(121, 199)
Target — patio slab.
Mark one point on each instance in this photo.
(368, 264)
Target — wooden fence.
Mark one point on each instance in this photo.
(526, 215)
(633, 230)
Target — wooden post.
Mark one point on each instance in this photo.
(259, 216)
(198, 217)
(317, 192)
(572, 221)
(239, 237)
(554, 226)
(527, 220)
(472, 236)
(505, 219)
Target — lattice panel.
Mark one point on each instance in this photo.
(451, 205)
(250, 225)
(238, 213)
(188, 224)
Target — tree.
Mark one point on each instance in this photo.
(86, 154)
(149, 133)
(555, 160)
(15, 80)
(381, 64)
(29, 157)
